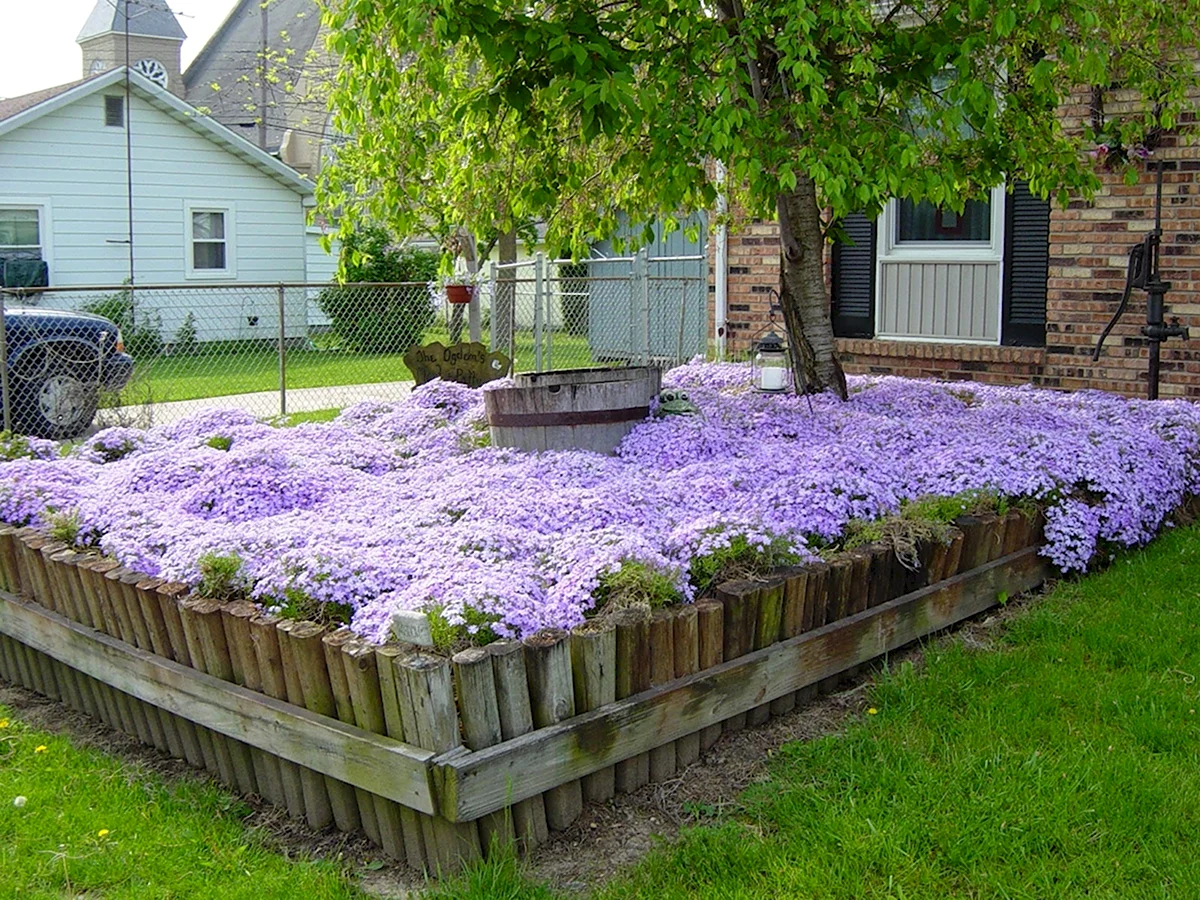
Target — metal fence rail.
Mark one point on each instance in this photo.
(309, 349)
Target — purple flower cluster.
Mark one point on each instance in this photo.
(404, 506)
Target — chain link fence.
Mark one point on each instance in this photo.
(307, 350)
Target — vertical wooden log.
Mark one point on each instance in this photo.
(686, 662)
(10, 575)
(269, 663)
(308, 655)
(766, 633)
(552, 700)
(475, 685)
(431, 687)
(70, 682)
(738, 599)
(816, 596)
(206, 643)
(24, 574)
(954, 549)
(593, 673)
(860, 580)
(632, 676)
(103, 699)
(391, 687)
(662, 670)
(318, 811)
(235, 617)
(841, 574)
(1014, 532)
(362, 675)
(516, 719)
(340, 687)
(167, 595)
(710, 627)
(146, 637)
(791, 621)
(975, 542)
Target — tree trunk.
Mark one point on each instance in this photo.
(815, 365)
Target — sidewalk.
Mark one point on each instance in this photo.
(263, 404)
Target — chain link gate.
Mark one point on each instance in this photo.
(311, 349)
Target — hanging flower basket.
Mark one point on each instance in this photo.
(459, 293)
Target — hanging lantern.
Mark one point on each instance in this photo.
(771, 370)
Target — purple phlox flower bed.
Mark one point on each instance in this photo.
(404, 506)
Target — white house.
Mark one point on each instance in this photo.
(83, 162)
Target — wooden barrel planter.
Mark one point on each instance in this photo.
(571, 409)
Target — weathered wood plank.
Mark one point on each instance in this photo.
(379, 764)
(593, 673)
(485, 780)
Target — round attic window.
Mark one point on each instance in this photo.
(152, 69)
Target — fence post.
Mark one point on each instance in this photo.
(474, 319)
(492, 292)
(642, 295)
(539, 291)
(5, 392)
(282, 357)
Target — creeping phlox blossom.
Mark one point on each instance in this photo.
(404, 506)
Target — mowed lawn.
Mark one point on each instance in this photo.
(222, 368)
(1056, 757)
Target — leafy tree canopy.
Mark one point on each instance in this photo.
(492, 114)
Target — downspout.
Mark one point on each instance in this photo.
(721, 264)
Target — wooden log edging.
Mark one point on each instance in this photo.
(614, 705)
(483, 781)
(386, 767)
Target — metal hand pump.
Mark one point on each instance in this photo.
(1143, 273)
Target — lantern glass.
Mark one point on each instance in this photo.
(771, 370)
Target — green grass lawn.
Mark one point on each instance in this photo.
(219, 369)
(1059, 760)
(78, 823)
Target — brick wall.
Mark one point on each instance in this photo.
(1089, 246)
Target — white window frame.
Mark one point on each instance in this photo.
(229, 210)
(45, 230)
(890, 251)
(891, 248)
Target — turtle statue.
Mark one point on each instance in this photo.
(675, 403)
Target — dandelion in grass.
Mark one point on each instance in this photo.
(3, 723)
(872, 711)
(103, 832)
(40, 748)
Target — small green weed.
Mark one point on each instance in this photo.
(635, 584)
(220, 576)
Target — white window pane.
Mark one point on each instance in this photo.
(19, 227)
(208, 225)
(208, 255)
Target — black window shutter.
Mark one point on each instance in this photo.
(1026, 267)
(854, 279)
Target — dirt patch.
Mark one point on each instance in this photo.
(607, 838)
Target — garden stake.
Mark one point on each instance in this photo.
(662, 670)
(633, 676)
(269, 662)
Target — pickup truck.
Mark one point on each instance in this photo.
(59, 365)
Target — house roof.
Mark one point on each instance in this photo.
(147, 18)
(20, 111)
(14, 105)
(235, 50)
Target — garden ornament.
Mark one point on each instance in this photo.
(675, 403)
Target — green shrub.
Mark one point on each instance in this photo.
(635, 584)
(382, 319)
(141, 328)
(220, 576)
(740, 559)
